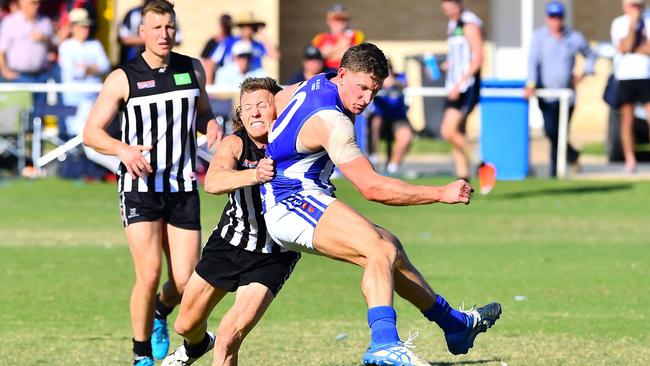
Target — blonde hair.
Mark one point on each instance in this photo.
(248, 86)
(158, 7)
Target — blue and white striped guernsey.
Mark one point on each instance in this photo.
(295, 171)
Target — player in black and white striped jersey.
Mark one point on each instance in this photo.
(242, 222)
(463, 67)
(161, 112)
(239, 256)
(162, 98)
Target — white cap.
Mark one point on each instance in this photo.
(79, 16)
(242, 48)
(635, 2)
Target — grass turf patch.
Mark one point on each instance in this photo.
(575, 252)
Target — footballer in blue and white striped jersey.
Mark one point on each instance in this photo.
(301, 170)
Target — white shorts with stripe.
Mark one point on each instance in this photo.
(292, 221)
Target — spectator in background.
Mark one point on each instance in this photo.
(631, 37)
(233, 74)
(225, 31)
(82, 60)
(252, 31)
(25, 39)
(463, 67)
(553, 51)
(312, 64)
(64, 25)
(8, 7)
(340, 37)
(388, 121)
(129, 35)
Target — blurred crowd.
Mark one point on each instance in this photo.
(36, 33)
(53, 40)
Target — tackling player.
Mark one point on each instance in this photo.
(239, 256)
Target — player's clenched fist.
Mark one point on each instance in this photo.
(457, 192)
(133, 159)
(264, 171)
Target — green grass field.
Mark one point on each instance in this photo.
(578, 251)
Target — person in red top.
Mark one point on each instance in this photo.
(334, 43)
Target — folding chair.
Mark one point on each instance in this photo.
(61, 112)
(15, 111)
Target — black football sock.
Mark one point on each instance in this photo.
(141, 350)
(161, 310)
(197, 350)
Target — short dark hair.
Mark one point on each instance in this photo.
(248, 86)
(158, 7)
(367, 58)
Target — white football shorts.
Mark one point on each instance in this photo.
(292, 221)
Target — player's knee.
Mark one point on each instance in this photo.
(148, 279)
(447, 133)
(385, 251)
(402, 260)
(404, 135)
(183, 328)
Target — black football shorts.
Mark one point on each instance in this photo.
(179, 209)
(228, 267)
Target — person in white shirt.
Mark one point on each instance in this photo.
(233, 74)
(82, 60)
(630, 35)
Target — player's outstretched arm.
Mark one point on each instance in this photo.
(334, 132)
(395, 192)
(223, 176)
(114, 92)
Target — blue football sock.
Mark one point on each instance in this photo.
(382, 321)
(449, 319)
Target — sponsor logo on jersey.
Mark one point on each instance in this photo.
(307, 207)
(182, 79)
(249, 163)
(146, 84)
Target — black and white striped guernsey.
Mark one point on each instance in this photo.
(161, 112)
(242, 223)
(459, 53)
